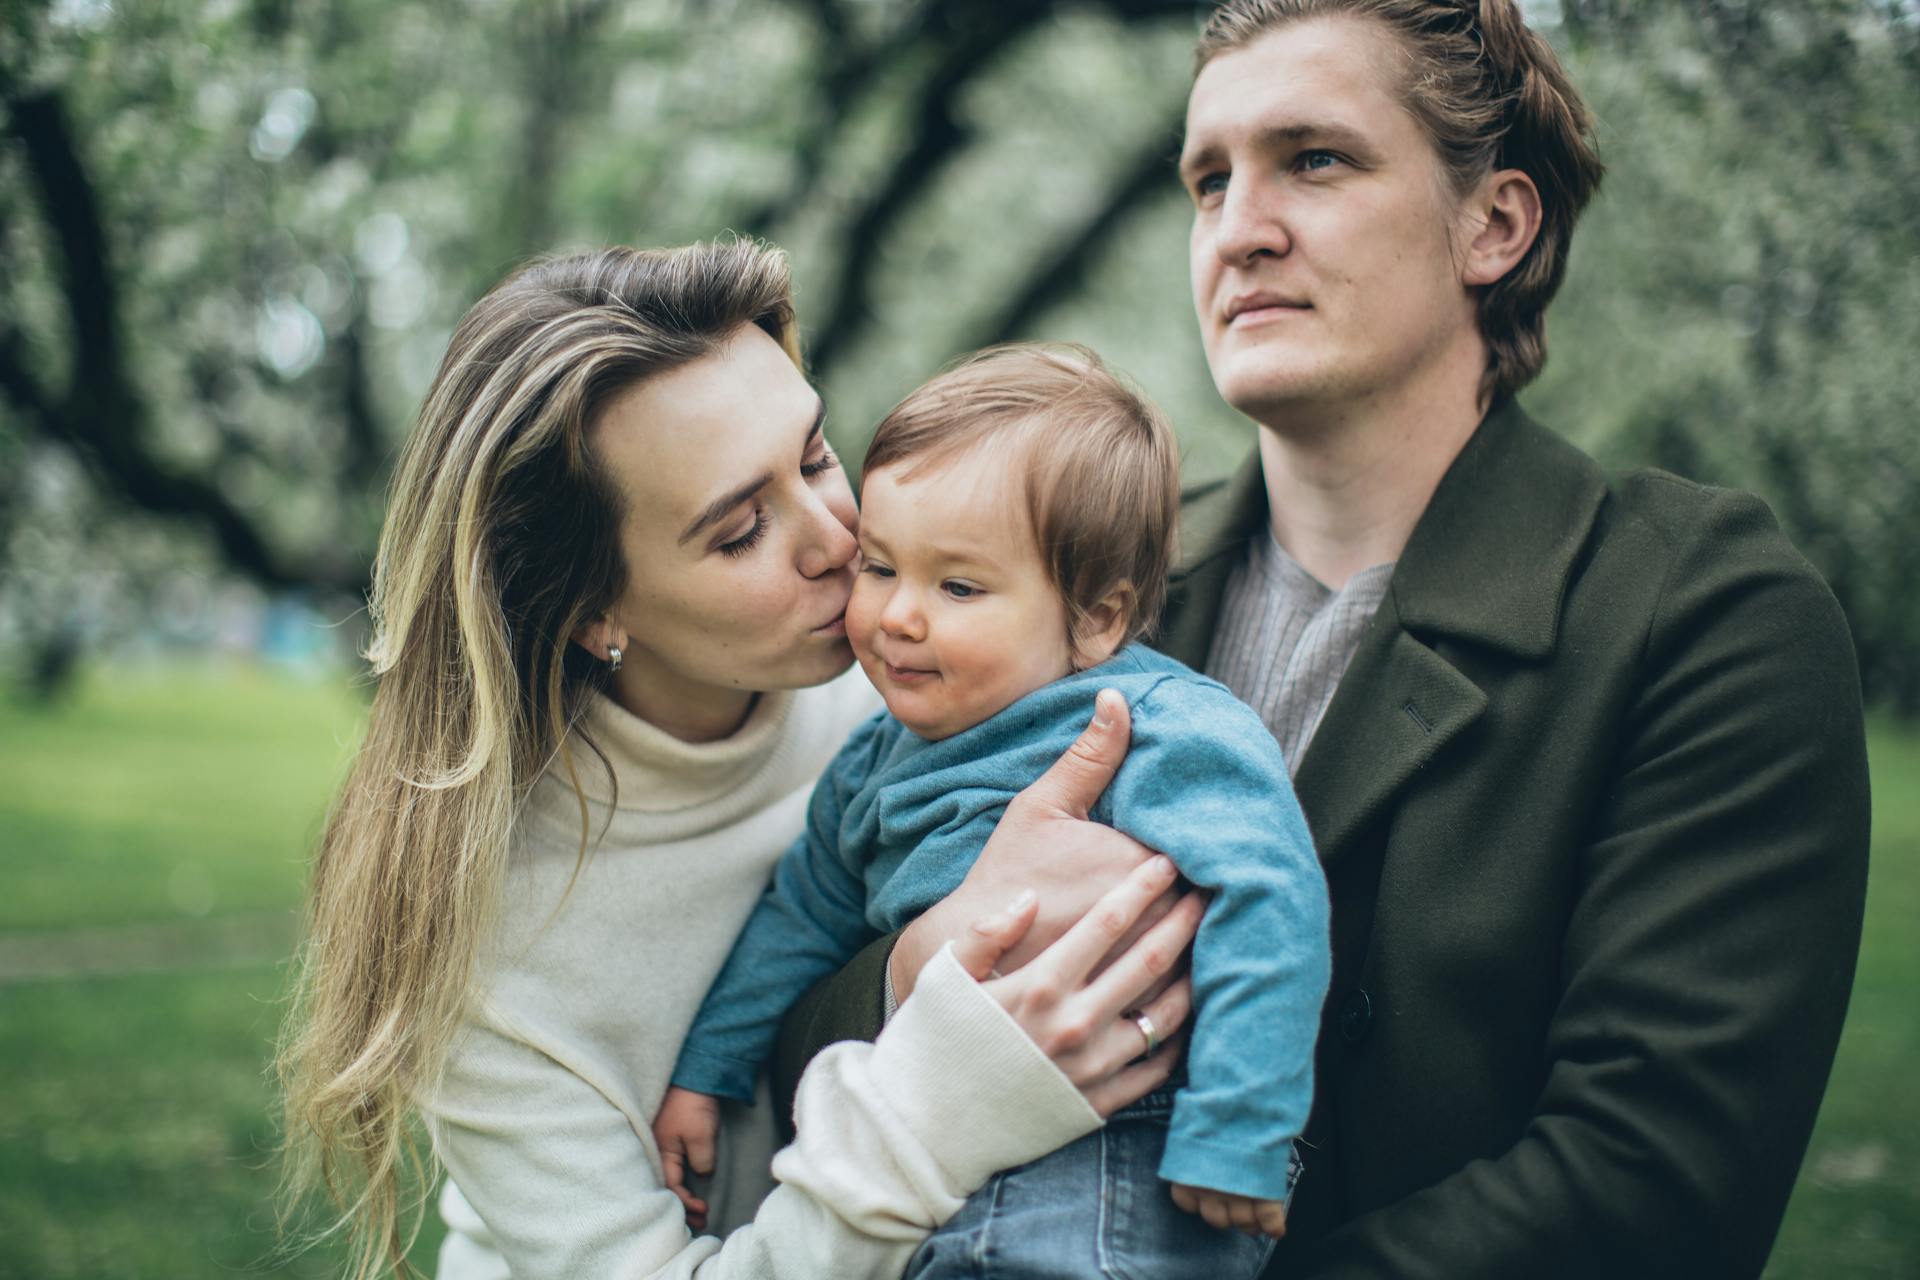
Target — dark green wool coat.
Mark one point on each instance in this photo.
(1592, 804)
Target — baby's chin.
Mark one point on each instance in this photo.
(912, 713)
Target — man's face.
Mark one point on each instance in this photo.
(1322, 256)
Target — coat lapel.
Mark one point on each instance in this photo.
(1397, 706)
(1487, 564)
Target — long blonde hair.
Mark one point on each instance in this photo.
(501, 540)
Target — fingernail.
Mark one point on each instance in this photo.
(1162, 864)
(1103, 708)
(1020, 902)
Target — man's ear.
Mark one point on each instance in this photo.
(600, 637)
(1505, 219)
(1102, 628)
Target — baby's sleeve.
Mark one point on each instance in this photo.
(809, 922)
(1204, 782)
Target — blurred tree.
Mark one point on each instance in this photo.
(235, 233)
(1752, 281)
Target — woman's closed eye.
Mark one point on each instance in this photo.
(747, 541)
(826, 462)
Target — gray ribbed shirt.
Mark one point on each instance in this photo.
(1284, 640)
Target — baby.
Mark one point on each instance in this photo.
(1016, 529)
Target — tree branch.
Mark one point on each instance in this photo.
(845, 77)
(985, 30)
(1059, 270)
(99, 415)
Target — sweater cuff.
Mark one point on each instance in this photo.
(714, 1074)
(1260, 1174)
(976, 1091)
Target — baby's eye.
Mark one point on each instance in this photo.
(961, 590)
(874, 567)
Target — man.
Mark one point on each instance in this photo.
(1583, 759)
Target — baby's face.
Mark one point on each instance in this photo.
(952, 616)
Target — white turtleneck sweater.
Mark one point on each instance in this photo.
(544, 1118)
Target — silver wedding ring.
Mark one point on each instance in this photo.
(1147, 1029)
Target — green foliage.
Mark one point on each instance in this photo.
(1744, 303)
(295, 203)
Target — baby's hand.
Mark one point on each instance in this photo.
(686, 1128)
(1243, 1213)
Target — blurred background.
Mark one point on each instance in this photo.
(235, 235)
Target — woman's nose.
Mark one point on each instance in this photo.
(830, 544)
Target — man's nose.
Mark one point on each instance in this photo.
(1250, 224)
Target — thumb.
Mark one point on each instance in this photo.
(990, 937)
(1074, 782)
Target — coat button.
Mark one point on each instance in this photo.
(1356, 1016)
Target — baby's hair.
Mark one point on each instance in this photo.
(1101, 465)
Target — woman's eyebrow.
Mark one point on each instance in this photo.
(717, 510)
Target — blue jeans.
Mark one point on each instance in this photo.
(1095, 1207)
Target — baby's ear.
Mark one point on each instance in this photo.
(1101, 630)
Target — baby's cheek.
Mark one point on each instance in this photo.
(863, 614)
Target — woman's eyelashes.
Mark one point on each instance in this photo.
(748, 540)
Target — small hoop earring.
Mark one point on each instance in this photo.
(613, 658)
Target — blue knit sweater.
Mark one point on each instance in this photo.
(896, 822)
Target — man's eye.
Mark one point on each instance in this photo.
(1211, 184)
(961, 590)
(1313, 160)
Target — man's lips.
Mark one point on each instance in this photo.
(1258, 308)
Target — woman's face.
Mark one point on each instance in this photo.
(738, 532)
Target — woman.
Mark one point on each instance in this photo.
(608, 607)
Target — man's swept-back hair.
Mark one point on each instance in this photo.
(502, 539)
(1099, 465)
(1491, 95)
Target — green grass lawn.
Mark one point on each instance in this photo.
(134, 1138)
(167, 794)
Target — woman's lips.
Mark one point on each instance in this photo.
(838, 627)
